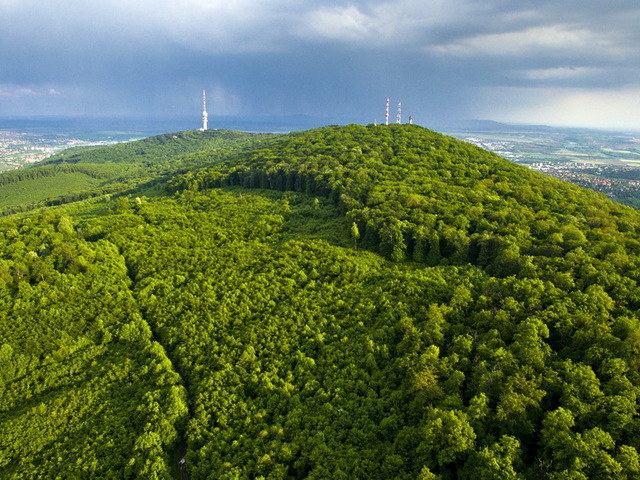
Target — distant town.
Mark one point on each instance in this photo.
(18, 149)
(606, 162)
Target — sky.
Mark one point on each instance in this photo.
(553, 62)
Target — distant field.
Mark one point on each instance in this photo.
(43, 188)
(585, 146)
(608, 162)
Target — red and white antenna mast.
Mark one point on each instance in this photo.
(205, 115)
(386, 114)
(399, 118)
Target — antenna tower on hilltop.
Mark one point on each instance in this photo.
(399, 117)
(386, 114)
(205, 115)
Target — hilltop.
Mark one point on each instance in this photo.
(343, 302)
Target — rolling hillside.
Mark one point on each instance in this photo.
(84, 172)
(344, 302)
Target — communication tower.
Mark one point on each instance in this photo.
(399, 117)
(205, 115)
(386, 114)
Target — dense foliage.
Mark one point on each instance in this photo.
(84, 172)
(347, 302)
(418, 194)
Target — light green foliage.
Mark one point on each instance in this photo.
(355, 234)
(85, 172)
(486, 327)
(73, 394)
(447, 437)
(38, 189)
(500, 461)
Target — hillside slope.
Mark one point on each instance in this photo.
(83, 172)
(414, 193)
(346, 302)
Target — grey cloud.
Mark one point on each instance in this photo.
(305, 56)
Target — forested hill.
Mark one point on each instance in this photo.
(342, 303)
(84, 172)
(417, 194)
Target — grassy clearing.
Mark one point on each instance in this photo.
(39, 189)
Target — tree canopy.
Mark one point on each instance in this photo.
(346, 302)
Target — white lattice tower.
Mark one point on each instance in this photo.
(205, 115)
(386, 114)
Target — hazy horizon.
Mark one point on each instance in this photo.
(278, 124)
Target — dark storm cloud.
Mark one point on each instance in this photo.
(496, 58)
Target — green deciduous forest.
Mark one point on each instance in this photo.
(359, 302)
